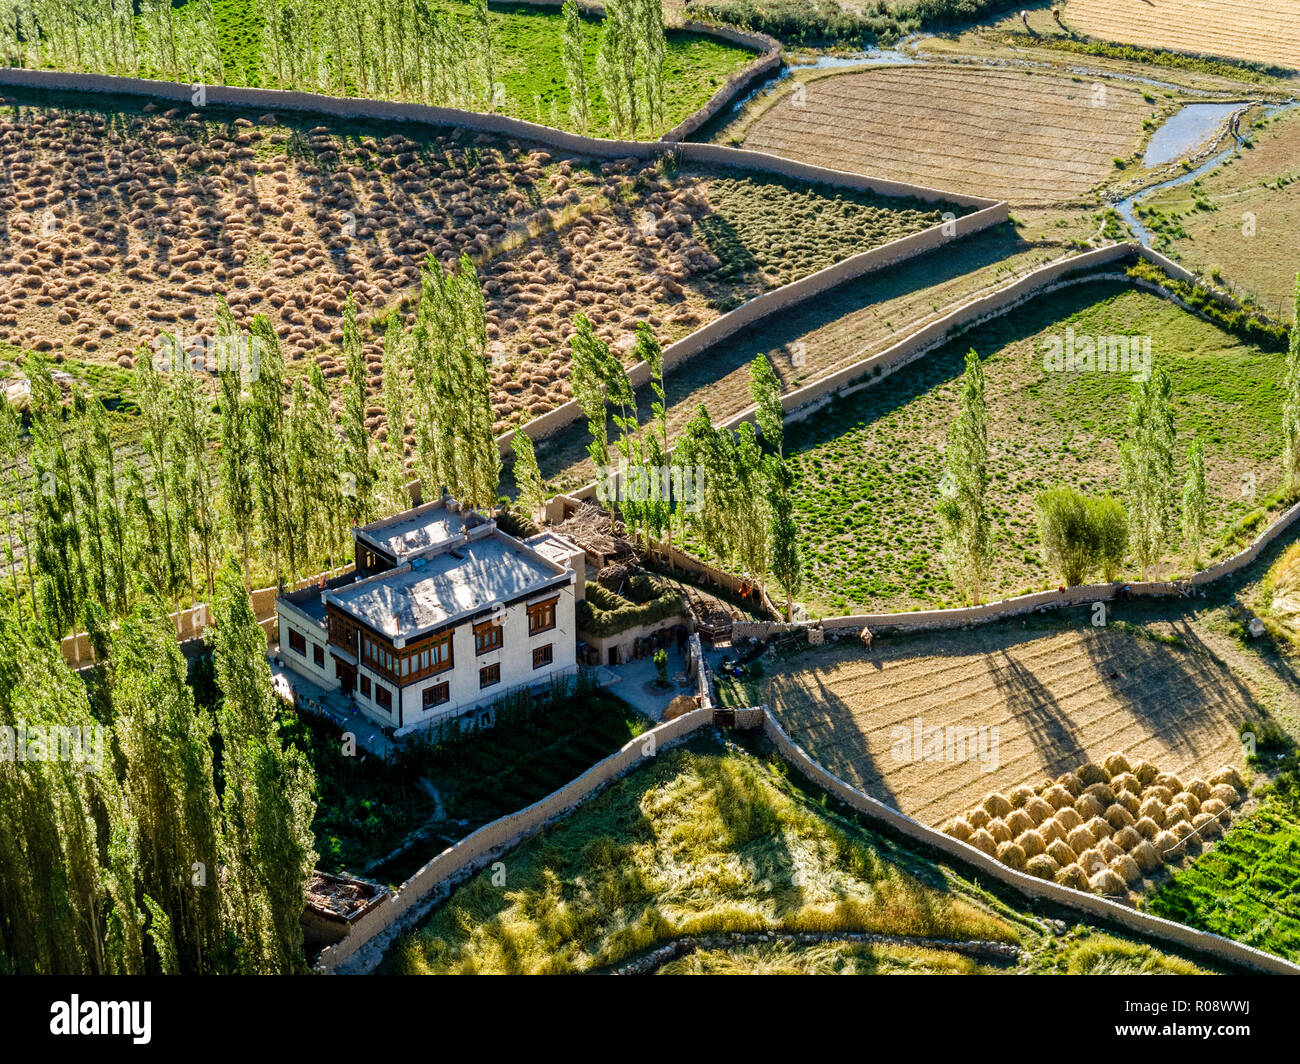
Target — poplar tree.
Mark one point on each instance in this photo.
(13, 500)
(235, 468)
(588, 356)
(1291, 405)
(1147, 461)
(167, 778)
(269, 446)
(1195, 501)
(395, 394)
(152, 396)
(357, 464)
(963, 513)
(194, 429)
(266, 806)
(575, 68)
(528, 478)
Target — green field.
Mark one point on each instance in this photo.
(869, 465)
(710, 840)
(1248, 887)
(367, 805)
(527, 42)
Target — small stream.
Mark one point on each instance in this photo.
(1188, 134)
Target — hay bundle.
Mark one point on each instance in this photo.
(1072, 876)
(1156, 790)
(1089, 806)
(1107, 881)
(1145, 772)
(1057, 796)
(1176, 814)
(1068, 818)
(1126, 781)
(1226, 793)
(1164, 842)
(1116, 763)
(1019, 822)
(1126, 868)
(1042, 866)
(1213, 807)
(1020, 795)
(1109, 850)
(1080, 839)
(1198, 787)
(1071, 783)
(996, 804)
(958, 829)
(1091, 861)
(1146, 857)
(997, 827)
(1102, 792)
(1146, 827)
(1152, 809)
(1119, 817)
(1050, 830)
(1186, 834)
(982, 840)
(1039, 810)
(1168, 779)
(1127, 838)
(1011, 855)
(1099, 828)
(1089, 773)
(1061, 853)
(1130, 801)
(1228, 775)
(977, 818)
(1208, 826)
(1188, 801)
(1032, 843)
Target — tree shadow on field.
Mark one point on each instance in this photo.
(1177, 692)
(823, 723)
(1033, 705)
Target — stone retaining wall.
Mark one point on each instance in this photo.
(1090, 905)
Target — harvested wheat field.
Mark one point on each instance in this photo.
(1029, 138)
(123, 226)
(1262, 31)
(1058, 700)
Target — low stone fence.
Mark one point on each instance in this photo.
(1091, 905)
(479, 848)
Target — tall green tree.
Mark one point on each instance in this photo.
(1291, 405)
(1195, 501)
(964, 518)
(357, 461)
(266, 804)
(1147, 461)
(396, 398)
(528, 478)
(575, 69)
(268, 425)
(235, 469)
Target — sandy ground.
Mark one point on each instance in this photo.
(1264, 31)
(1056, 699)
(1029, 138)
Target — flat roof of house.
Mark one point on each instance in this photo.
(431, 592)
(415, 531)
(553, 546)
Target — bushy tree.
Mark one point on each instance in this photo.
(963, 512)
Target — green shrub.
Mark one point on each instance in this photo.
(645, 601)
(1240, 322)
(1081, 534)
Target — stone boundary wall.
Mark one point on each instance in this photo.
(479, 848)
(1092, 905)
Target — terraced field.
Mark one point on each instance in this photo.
(1029, 138)
(126, 224)
(869, 465)
(1057, 699)
(1240, 220)
(708, 842)
(1262, 31)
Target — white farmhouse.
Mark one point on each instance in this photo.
(444, 615)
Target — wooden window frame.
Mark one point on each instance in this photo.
(429, 696)
(489, 670)
(383, 697)
(549, 650)
(415, 651)
(363, 684)
(484, 628)
(543, 609)
(299, 647)
(318, 655)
